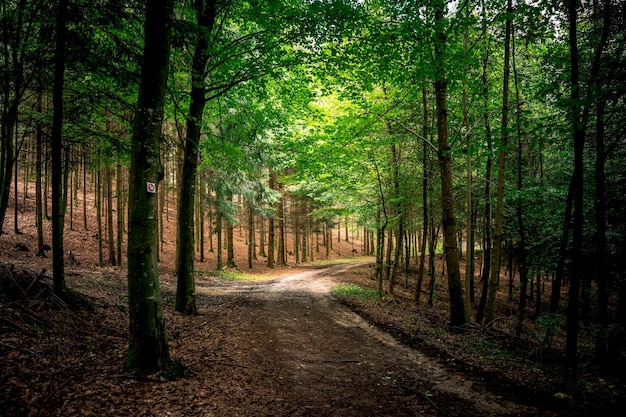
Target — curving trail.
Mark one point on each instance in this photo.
(320, 358)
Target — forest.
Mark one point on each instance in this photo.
(468, 157)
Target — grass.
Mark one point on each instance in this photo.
(344, 260)
(232, 275)
(353, 290)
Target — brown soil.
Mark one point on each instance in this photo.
(283, 345)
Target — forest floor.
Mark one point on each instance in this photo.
(281, 342)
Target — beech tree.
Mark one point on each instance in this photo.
(58, 199)
(457, 308)
(494, 267)
(148, 347)
(185, 292)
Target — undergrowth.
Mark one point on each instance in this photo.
(353, 290)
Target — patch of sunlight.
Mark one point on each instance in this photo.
(334, 261)
(353, 290)
(232, 275)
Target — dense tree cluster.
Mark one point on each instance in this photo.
(492, 133)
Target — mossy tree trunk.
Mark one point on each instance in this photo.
(148, 348)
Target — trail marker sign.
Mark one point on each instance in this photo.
(151, 187)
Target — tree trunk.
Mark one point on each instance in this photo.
(395, 157)
(281, 229)
(388, 252)
(523, 268)
(262, 239)
(432, 262)
(305, 238)
(38, 190)
(469, 248)
(185, 289)
(9, 118)
(602, 271)
(16, 228)
(380, 243)
(109, 179)
(120, 210)
(601, 243)
(251, 242)
(555, 295)
(455, 287)
(339, 230)
(497, 236)
(230, 240)
(480, 313)
(218, 231)
(271, 229)
(148, 349)
(99, 214)
(571, 342)
(202, 216)
(58, 202)
(296, 234)
(425, 186)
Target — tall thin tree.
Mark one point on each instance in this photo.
(494, 268)
(571, 341)
(455, 287)
(185, 290)
(58, 202)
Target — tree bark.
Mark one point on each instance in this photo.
(271, 230)
(99, 213)
(469, 249)
(38, 190)
(602, 271)
(455, 287)
(85, 188)
(109, 179)
(262, 238)
(230, 240)
(281, 229)
(425, 186)
(185, 239)
(148, 348)
(494, 268)
(120, 210)
(571, 342)
(58, 202)
(251, 242)
(399, 215)
(555, 295)
(480, 313)
(12, 95)
(523, 268)
(218, 231)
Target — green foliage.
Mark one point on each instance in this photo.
(549, 324)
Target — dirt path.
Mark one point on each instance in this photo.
(319, 358)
